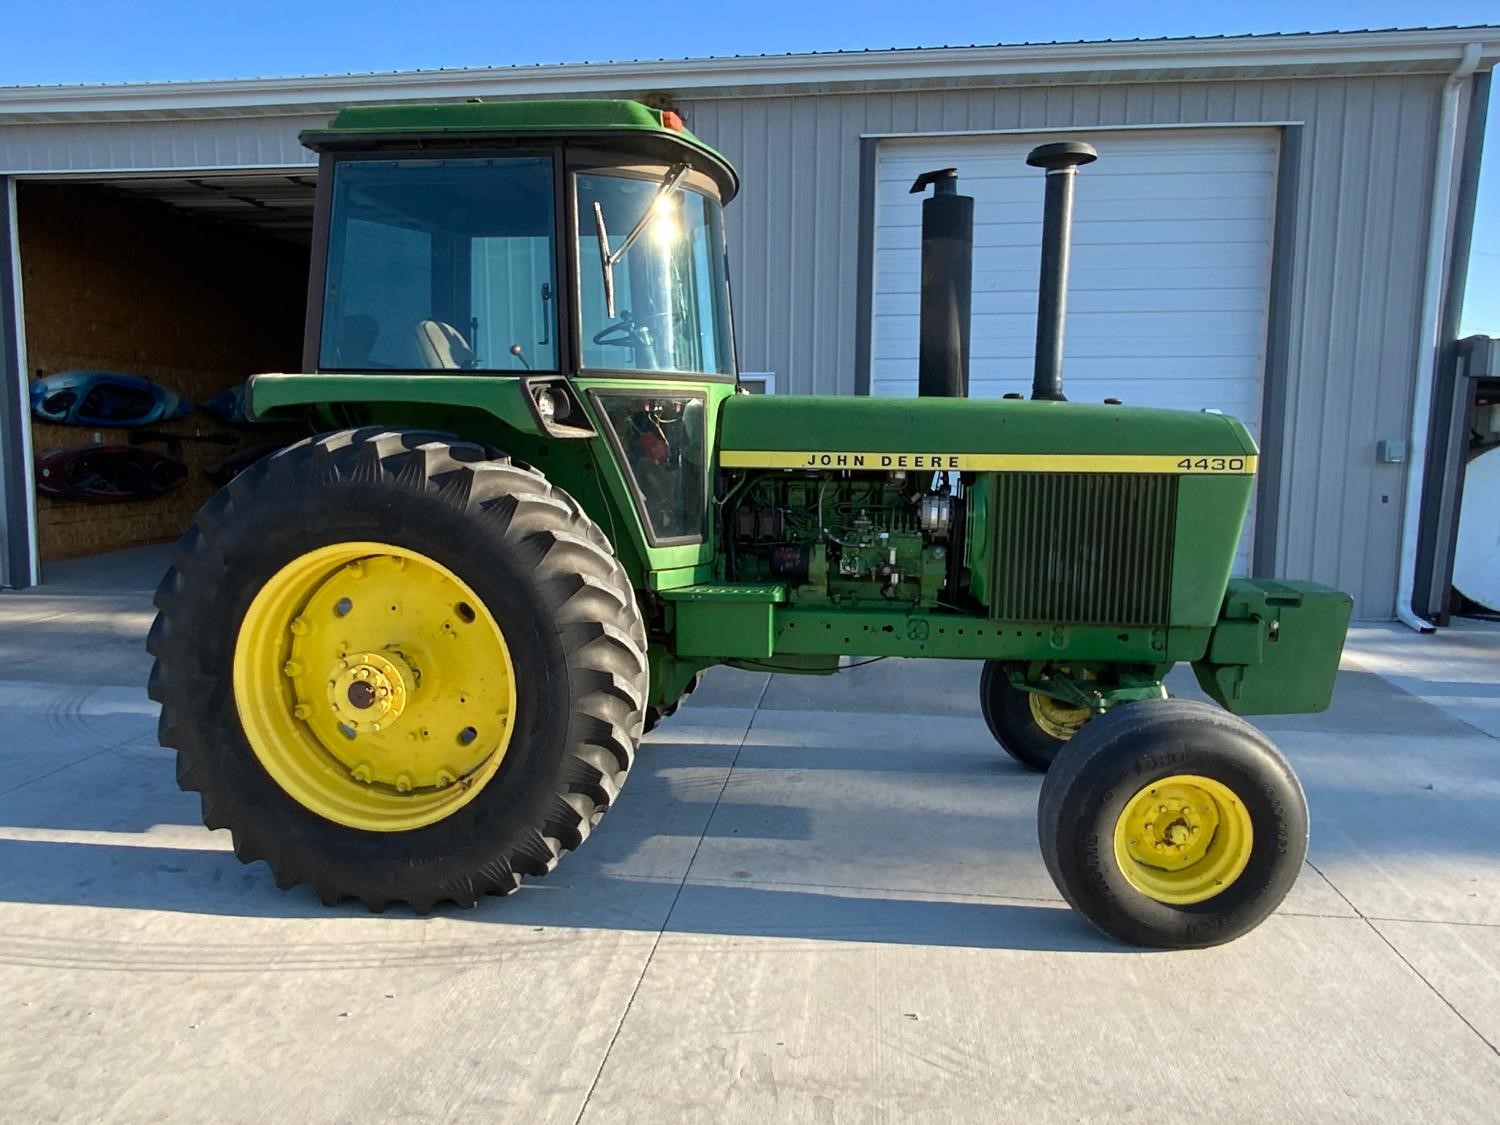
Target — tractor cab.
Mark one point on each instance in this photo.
(549, 237)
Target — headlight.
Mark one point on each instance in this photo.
(552, 404)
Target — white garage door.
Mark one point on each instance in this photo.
(1170, 279)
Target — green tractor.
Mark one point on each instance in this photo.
(411, 659)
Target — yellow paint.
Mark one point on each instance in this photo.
(1183, 839)
(1056, 718)
(374, 686)
(1178, 464)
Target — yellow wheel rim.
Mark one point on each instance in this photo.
(1058, 719)
(374, 686)
(1183, 839)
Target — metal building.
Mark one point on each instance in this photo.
(1277, 227)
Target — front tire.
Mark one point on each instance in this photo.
(398, 667)
(1172, 824)
(1032, 728)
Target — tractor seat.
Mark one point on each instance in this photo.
(442, 346)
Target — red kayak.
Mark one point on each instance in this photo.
(107, 474)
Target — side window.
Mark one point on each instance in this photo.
(437, 264)
(387, 280)
(660, 440)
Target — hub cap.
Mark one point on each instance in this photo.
(1058, 719)
(374, 686)
(1183, 839)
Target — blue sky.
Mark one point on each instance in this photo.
(155, 40)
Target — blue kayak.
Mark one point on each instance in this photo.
(105, 398)
(230, 406)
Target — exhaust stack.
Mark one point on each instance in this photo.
(947, 283)
(1062, 161)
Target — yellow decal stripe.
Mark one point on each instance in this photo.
(1185, 463)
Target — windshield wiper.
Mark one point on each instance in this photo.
(608, 258)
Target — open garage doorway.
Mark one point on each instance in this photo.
(190, 282)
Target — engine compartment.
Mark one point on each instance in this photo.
(844, 538)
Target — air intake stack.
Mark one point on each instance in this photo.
(947, 282)
(1062, 161)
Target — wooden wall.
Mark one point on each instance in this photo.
(117, 284)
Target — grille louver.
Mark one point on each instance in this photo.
(1084, 548)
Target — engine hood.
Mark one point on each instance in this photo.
(823, 432)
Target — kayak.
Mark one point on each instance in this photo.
(230, 406)
(107, 474)
(105, 398)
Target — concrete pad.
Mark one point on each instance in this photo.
(131, 570)
(1294, 1022)
(1405, 827)
(1456, 669)
(729, 687)
(1461, 963)
(45, 727)
(932, 687)
(223, 1020)
(95, 641)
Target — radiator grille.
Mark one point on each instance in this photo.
(1084, 548)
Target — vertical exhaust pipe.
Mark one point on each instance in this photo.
(1062, 161)
(947, 284)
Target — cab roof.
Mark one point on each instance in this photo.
(607, 122)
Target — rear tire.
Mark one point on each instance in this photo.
(538, 567)
(1020, 720)
(1216, 863)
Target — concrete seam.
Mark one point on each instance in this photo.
(667, 921)
(1405, 960)
(70, 765)
(1435, 922)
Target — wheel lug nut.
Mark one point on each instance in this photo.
(302, 711)
(299, 626)
(292, 669)
(445, 779)
(361, 772)
(403, 783)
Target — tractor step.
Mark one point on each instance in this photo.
(726, 620)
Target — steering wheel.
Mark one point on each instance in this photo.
(627, 332)
(622, 333)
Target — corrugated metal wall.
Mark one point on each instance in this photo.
(196, 143)
(1362, 204)
(1361, 214)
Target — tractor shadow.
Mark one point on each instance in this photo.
(768, 850)
(213, 883)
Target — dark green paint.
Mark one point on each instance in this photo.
(1276, 648)
(949, 425)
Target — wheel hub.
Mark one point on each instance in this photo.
(368, 691)
(1183, 839)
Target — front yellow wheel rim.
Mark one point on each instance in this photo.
(1058, 719)
(1183, 839)
(374, 686)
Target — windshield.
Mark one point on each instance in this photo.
(436, 264)
(671, 311)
